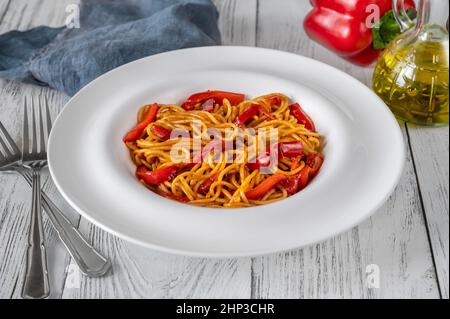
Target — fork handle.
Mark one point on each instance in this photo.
(88, 259)
(36, 284)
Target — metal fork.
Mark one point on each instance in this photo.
(36, 284)
(90, 261)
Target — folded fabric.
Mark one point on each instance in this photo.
(110, 33)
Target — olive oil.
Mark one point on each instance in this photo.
(413, 82)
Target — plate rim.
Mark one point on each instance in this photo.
(222, 254)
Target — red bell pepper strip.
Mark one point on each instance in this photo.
(265, 113)
(314, 161)
(345, 27)
(217, 96)
(304, 177)
(285, 149)
(247, 114)
(251, 111)
(266, 186)
(137, 131)
(290, 149)
(262, 160)
(206, 185)
(294, 184)
(161, 132)
(302, 117)
(274, 100)
(157, 176)
(295, 163)
(290, 184)
(208, 106)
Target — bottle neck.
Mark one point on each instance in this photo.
(432, 12)
(431, 23)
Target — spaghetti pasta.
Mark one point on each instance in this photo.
(213, 174)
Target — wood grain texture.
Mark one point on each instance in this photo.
(25, 14)
(15, 195)
(394, 239)
(237, 21)
(431, 157)
(142, 273)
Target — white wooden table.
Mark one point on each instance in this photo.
(408, 238)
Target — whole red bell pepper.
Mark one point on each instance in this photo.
(346, 27)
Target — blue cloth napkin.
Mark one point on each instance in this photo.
(111, 33)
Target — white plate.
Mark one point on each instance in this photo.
(364, 153)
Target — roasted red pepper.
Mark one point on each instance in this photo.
(161, 132)
(314, 161)
(345, 26)
(206, 185)
(247, 114)
(302, 117)
(157, 176)
(290, 149)
(274, 100)
(137, 131)
(217, 96)
(251, 111)
(266, 186)
(262, 160)
(208, 106)
(285, 149)
(296, 183)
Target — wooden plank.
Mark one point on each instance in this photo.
(25, 14)
(431, 158)
(15, 195)
(237, 21)
(143, 273)
(394, 239)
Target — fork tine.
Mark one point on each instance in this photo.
(34, 132)
(49, 118)
(41, 127)
(9, 139)
(25, 137)
(4, 147)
